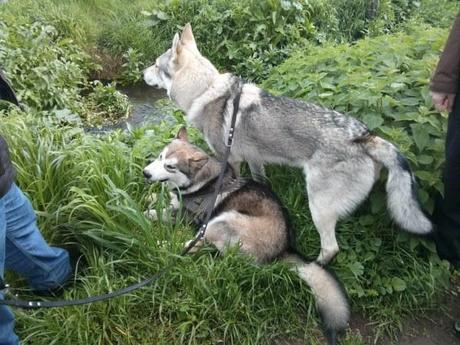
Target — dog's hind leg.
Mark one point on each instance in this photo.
(222, 232)
(335, 189)
(325, 219)
(258, 237)
(236, 166)
(257, 171)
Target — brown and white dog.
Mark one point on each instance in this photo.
(247, 214)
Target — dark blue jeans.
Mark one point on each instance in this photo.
(23, 250)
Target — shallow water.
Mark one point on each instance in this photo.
(143, 99)
(145, 110)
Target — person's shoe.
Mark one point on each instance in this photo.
(447, 244)
(57, 290)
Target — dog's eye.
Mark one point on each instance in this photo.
(170, 168)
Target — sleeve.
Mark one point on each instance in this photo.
(447, 74)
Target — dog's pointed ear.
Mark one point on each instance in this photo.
(197, 161)
(176, 46)
(187, 37)
(182, 134)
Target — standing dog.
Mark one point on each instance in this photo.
(247, 214)
(340, 157)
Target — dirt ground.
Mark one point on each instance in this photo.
(430, 328)
(434, 327)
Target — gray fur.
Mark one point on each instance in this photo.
(339, 156)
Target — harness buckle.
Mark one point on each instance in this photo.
(5, 289)
(202, 230)
(230, 137)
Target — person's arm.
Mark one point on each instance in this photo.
(445, 80)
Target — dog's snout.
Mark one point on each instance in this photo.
(147, 174)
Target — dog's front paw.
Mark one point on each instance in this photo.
(151, 214)
(152, 198)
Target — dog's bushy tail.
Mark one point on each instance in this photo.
(331, 299)
(401, 187)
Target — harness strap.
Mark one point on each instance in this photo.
(64, 303)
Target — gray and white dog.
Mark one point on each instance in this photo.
(247, 214)
(340, 157)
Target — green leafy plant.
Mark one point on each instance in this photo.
(105, 104)
(46, 70)
(88, 190)
(250, 36)
(132, 67)
(384, 82)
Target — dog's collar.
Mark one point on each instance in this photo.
(206, 188)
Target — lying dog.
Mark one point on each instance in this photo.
(247, 214)
(338, 154)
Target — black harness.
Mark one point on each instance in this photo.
(199, 236)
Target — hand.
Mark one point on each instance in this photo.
(443, 101)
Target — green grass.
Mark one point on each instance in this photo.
(89, 193)
(247, 38)
(106, 29)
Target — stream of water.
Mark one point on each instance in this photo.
(143, 99)
(145, 109)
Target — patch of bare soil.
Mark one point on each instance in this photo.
(434, 327)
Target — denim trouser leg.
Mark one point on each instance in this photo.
(27, 253)
(23, 250)
(7, 335)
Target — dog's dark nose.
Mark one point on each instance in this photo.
(147, 174)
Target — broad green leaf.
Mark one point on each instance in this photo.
(398, 284)
(421, 136)
(372, 120)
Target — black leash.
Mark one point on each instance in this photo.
(64, 303)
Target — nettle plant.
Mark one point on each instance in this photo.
(132, 67)
(383, 82)
(50, 76)
(250, 36)
(105, 104)
(46, 70)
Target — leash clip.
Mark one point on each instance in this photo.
(230, 137)
(202, 230)
(5, 290)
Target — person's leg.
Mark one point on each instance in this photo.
(7, 335)
(27, 253)
(447, 209)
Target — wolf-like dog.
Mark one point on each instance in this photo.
(247, 214)
(341, 158)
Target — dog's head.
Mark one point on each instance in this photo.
(181, 164)
(182, 71)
